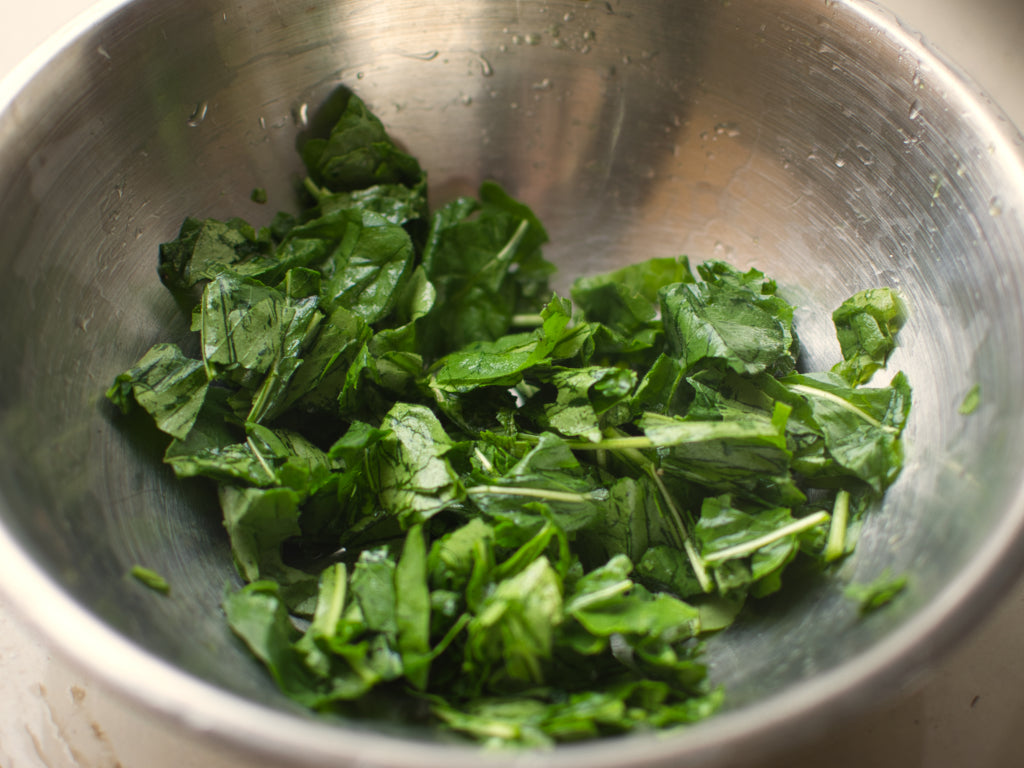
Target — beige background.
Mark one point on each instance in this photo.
(968, 713)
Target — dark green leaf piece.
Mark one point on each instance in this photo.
(168, 385)
(358, 153)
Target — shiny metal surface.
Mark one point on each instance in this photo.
(816, 140)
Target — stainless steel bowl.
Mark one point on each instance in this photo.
(814, 139)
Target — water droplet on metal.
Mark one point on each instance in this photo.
(729, 130)
(517, 39)
(198, 114)
(485, 66)
(590, 35)
(301, 115)
(995, 206)
(915, 110)
(532, 38)
(542, 85)
(102, 51)
(864, 154)
(839, 161)
(568, 16)
(423, 55)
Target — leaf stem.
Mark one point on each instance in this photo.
(325, 623)
(696, 561)
(531, 321)
(622, 444)
(581, 602)
(749, 547)
(207, 365)
(510, 246)
(497, 259)
(484, 461)
(534, 493)
(803, 389)
(311, 187)
(628, 448)
(259, 458)
(835, 546)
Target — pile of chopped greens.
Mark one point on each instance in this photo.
(499, 511)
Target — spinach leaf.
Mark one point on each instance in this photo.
(412, 608)
(734, 317)
(369, 262)
(416, 479)
(358, 153)
(866, 326)
(169, 386)
(549, 482)
(763, 540)
(588, 400)
(510, 639)
(861, 426)
(483, 257)
(151, 579)
(873, 595)
(258, 615)
(206, 248)
(747, 454)
(971, 401)
(247, 327)
(396, 203)
(626, 298)
(455, 495)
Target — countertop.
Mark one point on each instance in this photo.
(966, 712)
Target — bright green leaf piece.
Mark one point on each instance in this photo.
(878, 593)
(151, 579)
(412, 608)
(866, 326)
(510, 639)
(971, 401)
